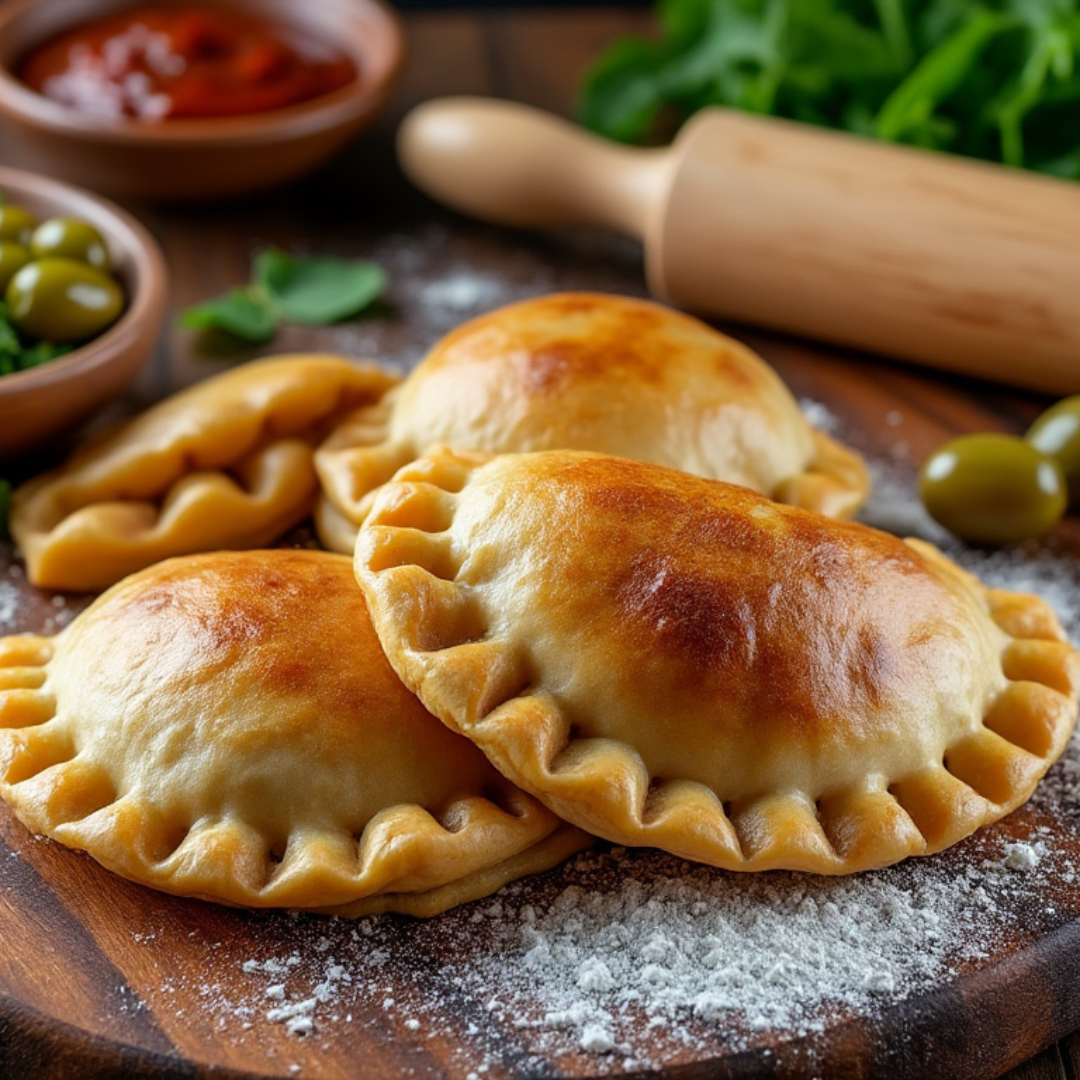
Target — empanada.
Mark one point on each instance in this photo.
(226, 726)
(583, 371)
(679, 662)
(226, 463)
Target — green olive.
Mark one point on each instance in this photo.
(16, 224)
(13, 257)
(1057, 434)
(72, 239)
(62, 300)
(993, 489)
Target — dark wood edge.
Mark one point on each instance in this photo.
(991, 1021)
(934, 1035)
(35, 1046)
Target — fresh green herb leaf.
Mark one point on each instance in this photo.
(1050, 53)
(1067, 167)
(41, 353)
(316, 290)
(937, 76)
(996, 79)
(241, 312)
(896, 30)
(625, 92)
(9, 339)
(313, 290)
(15, 356)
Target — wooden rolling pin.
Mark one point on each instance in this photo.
(959, 264)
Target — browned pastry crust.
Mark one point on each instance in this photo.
(226, 726)
(226, 463)
(585, 371)
(677, 662)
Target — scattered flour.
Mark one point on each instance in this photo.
(1022, 856)
(49, 615)
(9, 606)
(644, 959)
(892, 506)
(438, 283)
(464, 293)
(820, 415)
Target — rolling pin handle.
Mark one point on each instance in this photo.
(516, 165)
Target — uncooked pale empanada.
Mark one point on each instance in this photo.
(226, 726)
(224, 464)
(591, 372)
(678, 662)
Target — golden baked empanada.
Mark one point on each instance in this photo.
(226, 726)
(683, 663)
(226, 463)
(584, 371)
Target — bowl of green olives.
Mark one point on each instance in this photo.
(82, 301)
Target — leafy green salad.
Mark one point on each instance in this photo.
(995, 79)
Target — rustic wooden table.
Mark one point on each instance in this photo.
(444, 269)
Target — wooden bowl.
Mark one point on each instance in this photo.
(189, 158)
(48, 402)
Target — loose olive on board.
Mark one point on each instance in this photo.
(993, 489)
(62, 300)
(72, 239)
(13, 257)
(16, 223)
(1057, 434)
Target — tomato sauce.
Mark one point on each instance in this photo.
(172, 63)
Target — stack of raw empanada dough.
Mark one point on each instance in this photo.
(578, 607)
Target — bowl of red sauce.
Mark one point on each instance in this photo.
(190, 99)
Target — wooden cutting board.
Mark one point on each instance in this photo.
(969, 962)
(100, 978)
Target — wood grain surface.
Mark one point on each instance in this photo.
(101, 978)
